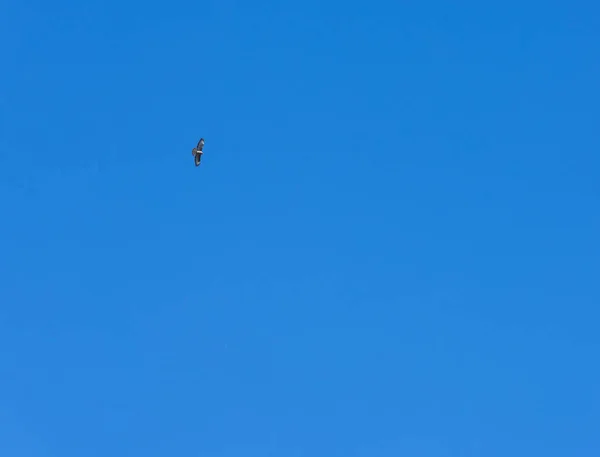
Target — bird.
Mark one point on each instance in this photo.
(197, 152)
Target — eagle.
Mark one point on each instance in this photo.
(197, 152)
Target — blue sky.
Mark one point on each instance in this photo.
(390, 248)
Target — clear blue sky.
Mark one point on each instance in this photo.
(391, 246)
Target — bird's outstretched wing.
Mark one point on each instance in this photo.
(200, 144)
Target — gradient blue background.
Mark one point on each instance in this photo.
(391, 247)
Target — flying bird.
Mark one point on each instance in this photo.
(197, 152)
